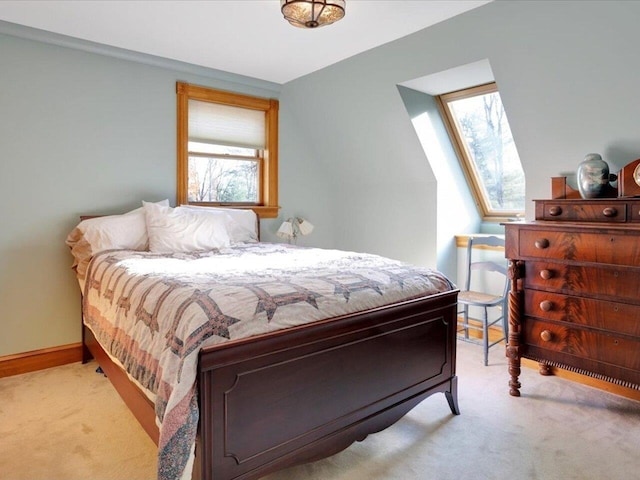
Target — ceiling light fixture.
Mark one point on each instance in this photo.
(312, 13)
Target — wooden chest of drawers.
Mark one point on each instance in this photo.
(575, 297)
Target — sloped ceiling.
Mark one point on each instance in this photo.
(246, 37)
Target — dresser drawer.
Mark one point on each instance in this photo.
(591, 211)
(614, 248)
(634, 211)
(611, 283)
(614, 317)
(600, 347)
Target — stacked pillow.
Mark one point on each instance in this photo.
(157, 227)
(242, 225)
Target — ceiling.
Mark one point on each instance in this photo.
(246, 37)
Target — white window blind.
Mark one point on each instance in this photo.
(218, 124)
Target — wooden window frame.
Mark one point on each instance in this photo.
(267, 206)
(462, 152)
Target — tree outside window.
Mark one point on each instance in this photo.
(220, 174)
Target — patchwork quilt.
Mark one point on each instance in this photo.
(154, 312)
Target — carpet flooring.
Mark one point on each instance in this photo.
(68, 423)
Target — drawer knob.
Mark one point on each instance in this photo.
(555, 211)
(546, 274)
(546, 305)
(542, 243)
(610, 212)
(545, 335)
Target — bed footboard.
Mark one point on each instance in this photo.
(306, 393)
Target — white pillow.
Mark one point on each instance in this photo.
(243, 223)
(94, 235)
(185, 230)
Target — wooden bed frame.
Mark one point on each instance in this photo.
(297, 395)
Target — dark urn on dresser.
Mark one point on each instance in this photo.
(575, 296)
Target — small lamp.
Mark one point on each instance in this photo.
(304, 226)
(292, 227)
(285, 230)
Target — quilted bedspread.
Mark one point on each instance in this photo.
(154, 312)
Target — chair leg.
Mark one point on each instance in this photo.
(465, 321)
(485, 335)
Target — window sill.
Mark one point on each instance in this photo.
(266, 212)
(505, 219)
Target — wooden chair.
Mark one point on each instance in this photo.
(475, 294)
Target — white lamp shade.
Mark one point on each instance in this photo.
(305, 226)
(285, 230)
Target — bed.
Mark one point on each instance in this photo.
(299, 353)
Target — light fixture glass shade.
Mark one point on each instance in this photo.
(312, 13)
(286, 230)
(305, 226)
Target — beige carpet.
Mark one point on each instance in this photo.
(68, 423)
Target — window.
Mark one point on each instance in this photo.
(480, 133)
(227, 150)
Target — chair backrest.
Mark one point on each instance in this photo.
(485, 265)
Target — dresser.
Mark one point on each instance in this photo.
(575, 289)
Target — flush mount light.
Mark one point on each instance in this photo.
(312, 13)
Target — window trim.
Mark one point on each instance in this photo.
(268, 202)
(462, 152)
